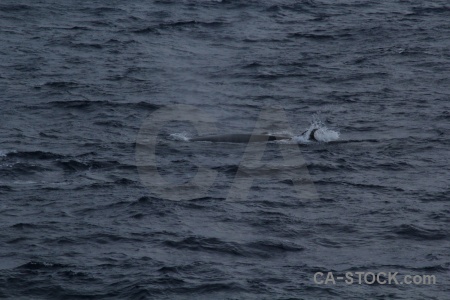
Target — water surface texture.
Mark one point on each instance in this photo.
(78, 79)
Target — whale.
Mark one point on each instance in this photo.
(239, 138)
(247, 138)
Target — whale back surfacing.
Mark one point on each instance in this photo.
(239, 138)
(247, 138)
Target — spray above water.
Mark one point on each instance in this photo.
(321, 132)
(182, 136)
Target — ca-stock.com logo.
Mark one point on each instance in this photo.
(292, 167)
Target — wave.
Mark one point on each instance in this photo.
(37, 265)
(191, 23)
(420, 11)
(34, 155)
(62, 84)
(251, 249)
(75, 165)
(156, 29)
(417, 233)
(6, 188)
(23, 169)
(14, 7)
(94, 104)
(311, 36)
(303, 7)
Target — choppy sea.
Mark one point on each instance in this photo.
(82, 83)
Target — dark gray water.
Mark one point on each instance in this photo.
(78, 79)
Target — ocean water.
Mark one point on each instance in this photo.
(85, 84)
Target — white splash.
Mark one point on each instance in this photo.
(322, 133)
(182, 136)
(4, 153)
